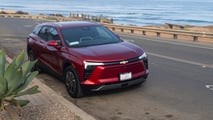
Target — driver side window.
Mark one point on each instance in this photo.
(53, 34)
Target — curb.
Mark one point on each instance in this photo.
(72, 107)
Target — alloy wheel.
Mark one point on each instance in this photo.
(71, 82)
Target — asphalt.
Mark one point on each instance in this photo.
(175, 89)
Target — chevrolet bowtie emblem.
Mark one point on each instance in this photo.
(123, 62)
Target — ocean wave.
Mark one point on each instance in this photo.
(192, 21)
(128, 11)
(11, 6)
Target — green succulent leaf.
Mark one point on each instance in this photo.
(27, 67)
(14, 82)
(3, 87)
(10, 70)
(16, 102)
(3, 82)
(6, 65)
(22, 102)
(32, 90)
(2, 63)
(27, 80)
(19, 59)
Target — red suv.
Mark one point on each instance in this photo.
(87, 54)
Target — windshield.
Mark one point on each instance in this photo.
(88, 36)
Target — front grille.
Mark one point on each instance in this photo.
(118, 62)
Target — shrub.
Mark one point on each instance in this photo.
(14, 79)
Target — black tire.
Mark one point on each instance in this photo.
(31, 57)
(72, 83)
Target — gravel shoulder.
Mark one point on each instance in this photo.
(55, 111)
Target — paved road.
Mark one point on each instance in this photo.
(175, 90)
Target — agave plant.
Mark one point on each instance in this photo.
(14, 79)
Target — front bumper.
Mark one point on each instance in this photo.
(117, 85)
(111, 73)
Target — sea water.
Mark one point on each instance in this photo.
(135, 12)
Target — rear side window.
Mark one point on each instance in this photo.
(37, 29)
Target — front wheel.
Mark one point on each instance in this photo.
(72, 83)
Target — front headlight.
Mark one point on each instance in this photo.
(144, 56)
(86, 64)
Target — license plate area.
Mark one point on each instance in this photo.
(125, 76)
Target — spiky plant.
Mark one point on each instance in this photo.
(14, 79)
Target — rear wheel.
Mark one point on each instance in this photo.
(31, 57)
(72, 83)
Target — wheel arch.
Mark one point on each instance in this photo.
(28, 49)
(74, 66)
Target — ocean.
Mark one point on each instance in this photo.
(128, 12)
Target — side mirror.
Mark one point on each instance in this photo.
(53, 43)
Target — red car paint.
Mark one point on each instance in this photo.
(118, 58)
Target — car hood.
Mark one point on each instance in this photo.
(108, 52)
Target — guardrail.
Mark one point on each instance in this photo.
(163, 33)
(146, 31)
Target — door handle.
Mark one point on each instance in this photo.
(41, 42)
